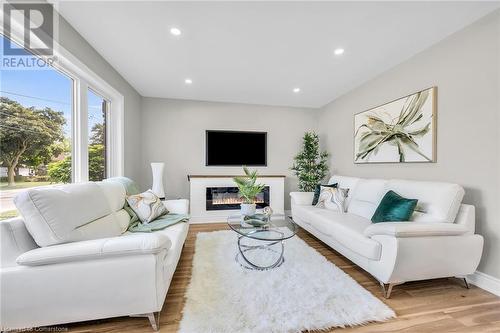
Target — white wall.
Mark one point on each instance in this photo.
(174, 133)
(466, 69)
(72, 41)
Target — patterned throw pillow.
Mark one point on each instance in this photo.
(333, 195)
(317, 192)
(340, 199)
(147, 206)
(325, 194)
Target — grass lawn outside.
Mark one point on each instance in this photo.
(4, 186)
(8, 214)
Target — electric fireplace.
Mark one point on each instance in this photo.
(227, 198)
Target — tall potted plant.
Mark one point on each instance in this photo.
(248, 190)
(310, 165)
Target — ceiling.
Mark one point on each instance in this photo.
(258, 52)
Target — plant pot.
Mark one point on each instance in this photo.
(247, 209)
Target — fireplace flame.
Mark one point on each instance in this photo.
(232, 201)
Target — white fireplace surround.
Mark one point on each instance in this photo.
(198, 185)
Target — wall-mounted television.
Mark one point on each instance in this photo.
(236, 148)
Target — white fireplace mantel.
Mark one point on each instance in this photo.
(198, 187)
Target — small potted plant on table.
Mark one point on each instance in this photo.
(248, 190)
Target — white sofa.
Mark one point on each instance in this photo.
(439, 241)
(72, 259)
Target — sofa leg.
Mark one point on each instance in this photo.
(154, 320)
(466, 283)
(464, 280)
(387, 288)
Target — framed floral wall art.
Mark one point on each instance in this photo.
(400, 131)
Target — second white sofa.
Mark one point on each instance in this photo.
(72, 259)
(439, 241)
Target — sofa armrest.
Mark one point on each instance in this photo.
(302, 198)
(145, 243)
(178, 206)
(415, 229)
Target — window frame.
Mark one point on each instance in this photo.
(85, 79)
(107, 129)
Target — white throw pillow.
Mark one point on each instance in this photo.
(147, 206)
(325, 195)
(333, 198)
(339, 200)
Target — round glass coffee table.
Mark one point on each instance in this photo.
(261, 247)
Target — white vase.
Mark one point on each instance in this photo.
(157, 187)
(247, 209)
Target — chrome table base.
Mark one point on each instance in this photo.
(245, 262)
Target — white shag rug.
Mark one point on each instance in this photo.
(307, 292)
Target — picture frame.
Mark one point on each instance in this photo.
(401, 131)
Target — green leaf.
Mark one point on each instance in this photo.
(409, 143)
(247, 187)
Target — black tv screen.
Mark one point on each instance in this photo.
(236, 148)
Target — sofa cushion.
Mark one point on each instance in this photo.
(415, 229)
(128, 184)
(176, 233)
(298, 198)
(437, 201)
(347, 183)
(14, 240)
(53, 214)
(344, 181)
(346, 229)
(115, 194)
(304, 213)
(96, 249)
(366, 196)
(113, 224)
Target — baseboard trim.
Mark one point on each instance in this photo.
(485, 281)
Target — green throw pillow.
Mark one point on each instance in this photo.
(317, 192)
(394, 208)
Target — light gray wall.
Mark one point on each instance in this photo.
(466, 69)
(174, 133)
(72, 41)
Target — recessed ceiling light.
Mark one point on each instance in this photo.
(188, 81)
(175, 31)
(296, 90)
(339, 51)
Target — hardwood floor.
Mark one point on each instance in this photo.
(441, 305)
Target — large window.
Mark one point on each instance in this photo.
(56, 126)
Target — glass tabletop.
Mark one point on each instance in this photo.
(280, 227)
